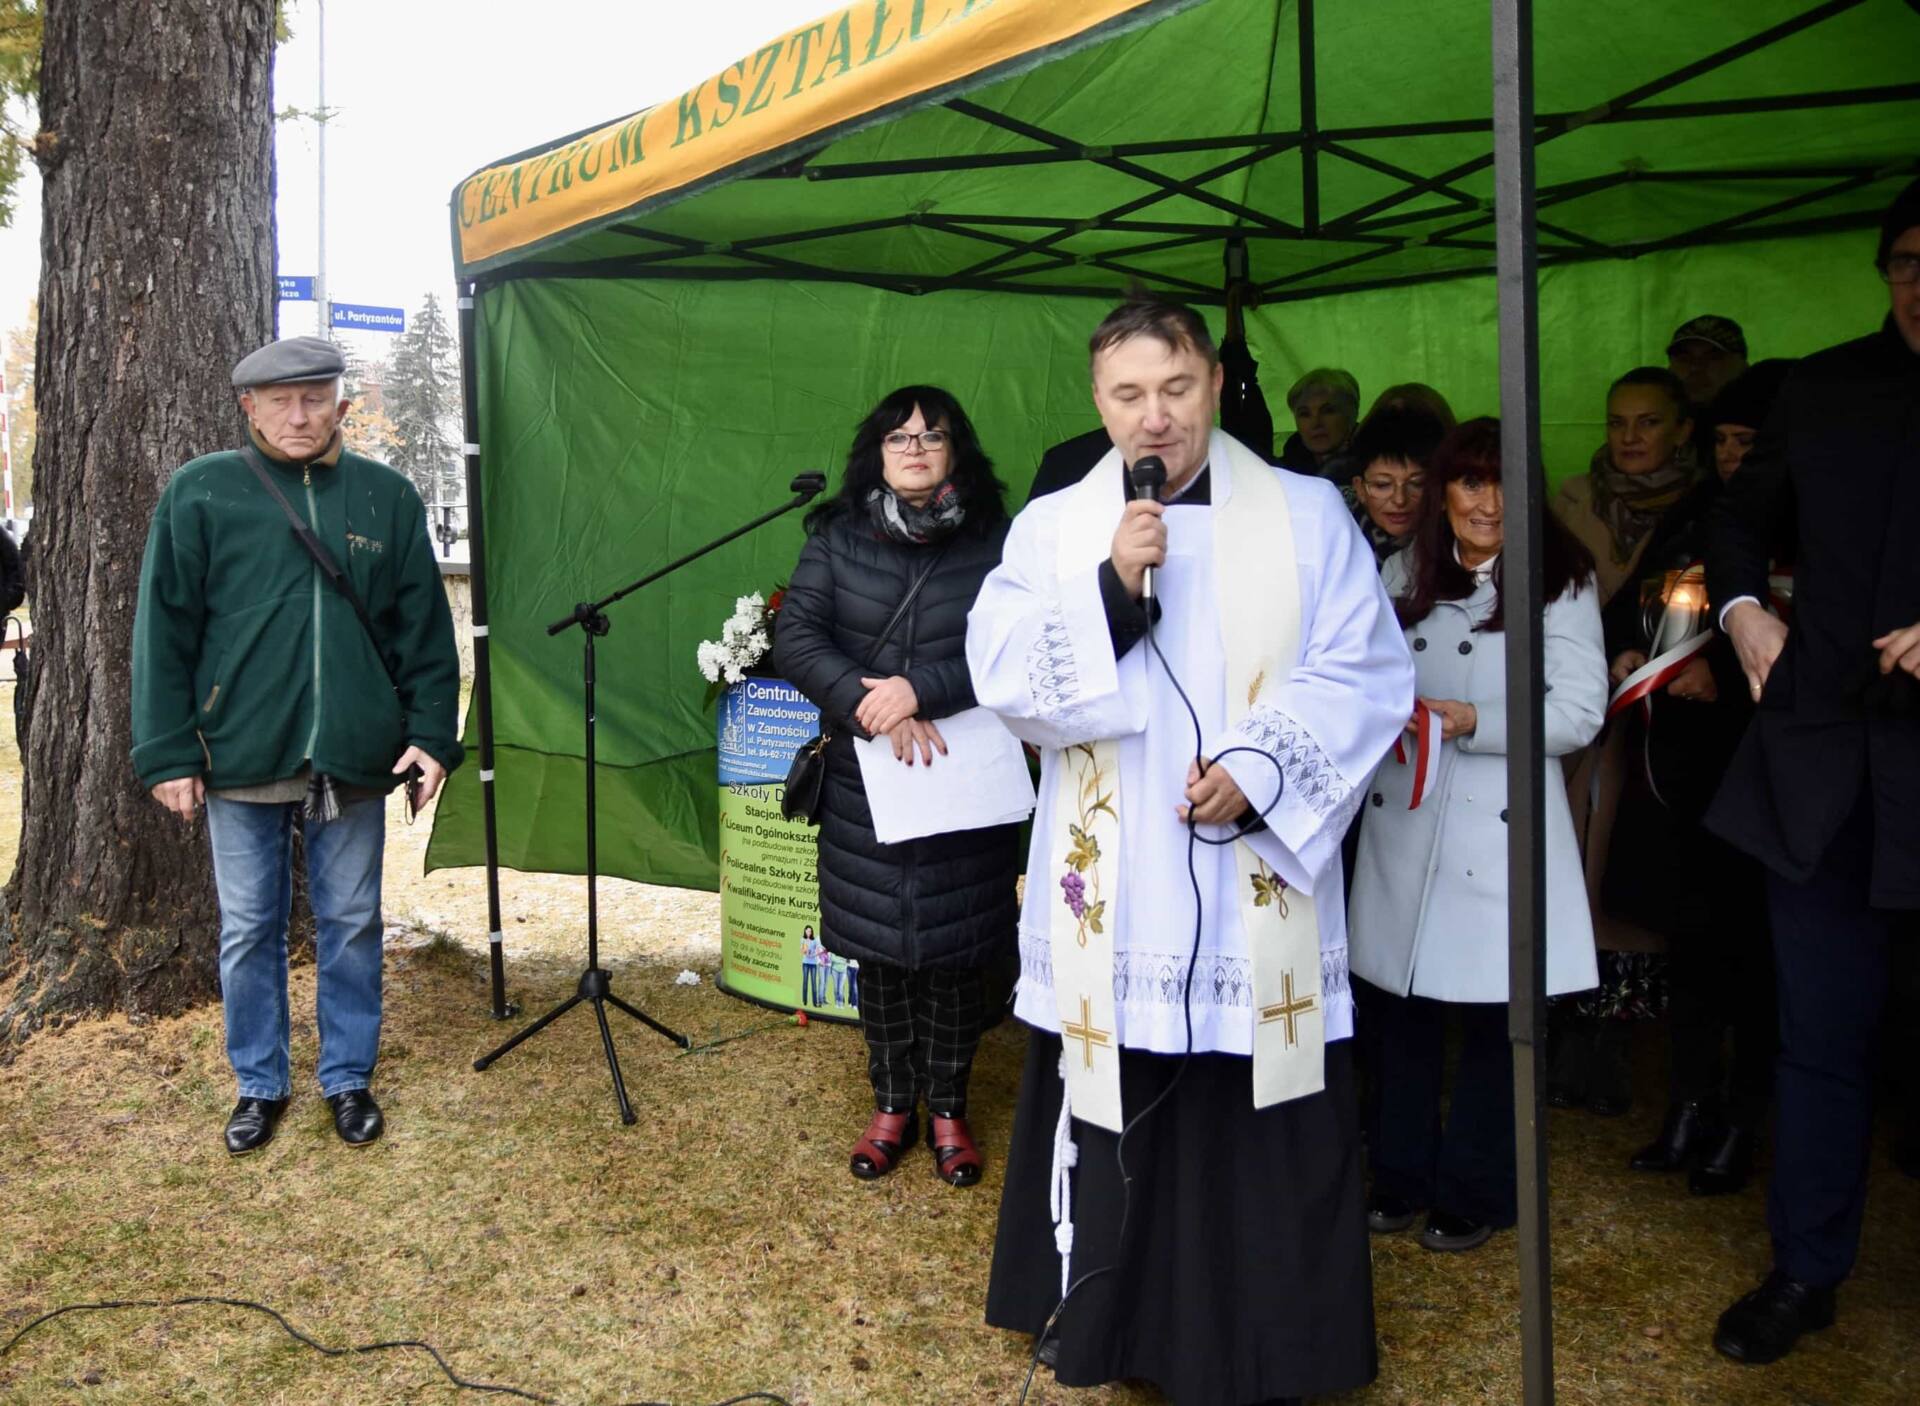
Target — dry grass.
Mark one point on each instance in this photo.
(719, 1245)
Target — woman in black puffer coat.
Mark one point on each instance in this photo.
(924, 917)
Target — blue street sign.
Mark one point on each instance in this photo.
(296, 287)
(353, 317)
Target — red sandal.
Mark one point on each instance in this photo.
(887, 1136)
(955, 1159)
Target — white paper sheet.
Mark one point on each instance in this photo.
(981, 781)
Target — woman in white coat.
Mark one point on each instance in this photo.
(1428, 920)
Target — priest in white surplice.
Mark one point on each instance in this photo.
(1243, 1275)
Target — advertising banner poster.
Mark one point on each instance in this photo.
(770, 949)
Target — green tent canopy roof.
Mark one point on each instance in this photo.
(1350, 146)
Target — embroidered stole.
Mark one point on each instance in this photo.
(1257, 591)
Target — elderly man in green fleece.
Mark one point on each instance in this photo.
(277, 688)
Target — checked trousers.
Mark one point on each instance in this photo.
(922, 1029)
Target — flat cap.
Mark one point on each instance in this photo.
(1715, 331)
(290, 359)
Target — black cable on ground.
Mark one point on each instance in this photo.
(320, 1347)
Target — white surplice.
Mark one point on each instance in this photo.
(1041, 657)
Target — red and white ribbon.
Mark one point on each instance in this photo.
(1656, 674)
(1426, 752)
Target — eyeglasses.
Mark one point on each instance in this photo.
(1394, 488)
(1901, 268)
(899, 441)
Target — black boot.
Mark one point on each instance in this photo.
(1610, 1089)
(1725, 1164)
(1685, 1132)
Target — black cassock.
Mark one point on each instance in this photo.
(1245, 1273)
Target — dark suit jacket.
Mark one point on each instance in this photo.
(1067, 462)
(1838, 463)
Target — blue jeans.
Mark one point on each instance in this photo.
(253, 870)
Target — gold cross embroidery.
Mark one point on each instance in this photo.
(1086, 1032)
(1288, 1010)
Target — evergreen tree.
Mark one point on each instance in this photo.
(422, 401)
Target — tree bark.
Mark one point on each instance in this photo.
(157, 248)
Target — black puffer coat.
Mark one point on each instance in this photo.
(946, 900)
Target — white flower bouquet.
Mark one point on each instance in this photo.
(746, 638)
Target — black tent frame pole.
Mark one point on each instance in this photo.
(503, 1009)
(1309, 124)
(1517, 275)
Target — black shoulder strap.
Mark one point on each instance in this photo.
(900, 610)
(322, 557)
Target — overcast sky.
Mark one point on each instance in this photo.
(423, 93)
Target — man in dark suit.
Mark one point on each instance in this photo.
(1822, 788)
(1068, 462)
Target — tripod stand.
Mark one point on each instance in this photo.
(596, 984)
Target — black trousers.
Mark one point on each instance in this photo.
(1466, 1167)
(1720, 964)
(1832, 954)
(922, 1029)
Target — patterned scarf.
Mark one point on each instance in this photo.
(1631, 504)
(940, 516)
(1384, 543)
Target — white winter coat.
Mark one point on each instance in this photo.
(1428, 915)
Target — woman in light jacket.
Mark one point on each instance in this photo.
(1428, 923)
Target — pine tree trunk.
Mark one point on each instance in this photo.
(156, 151)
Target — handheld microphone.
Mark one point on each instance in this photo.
(1145, 478)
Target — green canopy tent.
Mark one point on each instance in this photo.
(648, 362)
(664, 318)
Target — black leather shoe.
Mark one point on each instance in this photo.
(1388, 1215)
(1049, 1351)
(250, 1126)
(1451, 1234)
(1683, 1134)
(1725, 1165)
(1763, 1326)
(356, 1117)
(1565, 1095)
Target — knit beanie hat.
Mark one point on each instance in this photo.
(1748, 398)
(1902, 216)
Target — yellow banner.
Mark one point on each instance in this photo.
(864, 59)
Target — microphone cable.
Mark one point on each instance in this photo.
(1194, 839)
(492, 1388)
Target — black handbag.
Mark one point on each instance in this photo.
(808, 774)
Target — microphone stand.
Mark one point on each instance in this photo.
(596, 985)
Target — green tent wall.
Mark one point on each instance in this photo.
(656, 375)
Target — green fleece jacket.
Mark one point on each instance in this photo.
(248, 664)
